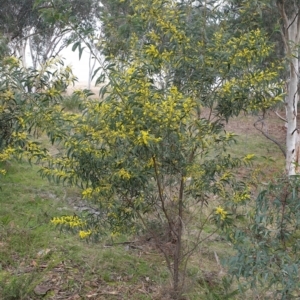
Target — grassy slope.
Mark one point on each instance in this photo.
(36, 257)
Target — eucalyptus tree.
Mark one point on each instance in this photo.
(25, 27)
(290, 31)
(17, 18)
(54, 33)
(280, 19)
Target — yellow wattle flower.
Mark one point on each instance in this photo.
(220, 211)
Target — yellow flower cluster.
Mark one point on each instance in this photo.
(153, 35)
(257, 82)
(72, 221)
(226, 176)
(33, 147)
(19, 135)
(221, 212)
(52, 92)
(60, 173)
(7, 153)
(152, 51)
(87, 193)
(84, 234)
(21, 122)
(144, 138)
(248, 157)
(7, 95)
(124, 174)
(248, 47)
(241, 196)
(166, 19)
(11, 60)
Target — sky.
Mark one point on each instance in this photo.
(80, 67)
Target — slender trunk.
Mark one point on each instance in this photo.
(22, 52)
(178, 250)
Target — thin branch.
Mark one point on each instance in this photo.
(293, 20)
(280, 117)
(268, 137)
(161, 197)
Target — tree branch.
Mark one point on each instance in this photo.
(269, 137)
(293, 20)
(280, 117)
(161, 197)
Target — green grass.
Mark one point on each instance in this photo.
(264, 149)
(268, 156)
(34, 254)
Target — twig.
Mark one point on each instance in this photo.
(293, 20)
(280, 117)
(121, 243)
(268, 137)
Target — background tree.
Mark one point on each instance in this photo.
(280, 20)
(266, 259)
(16, 21)
(289, 13)
(22, 24)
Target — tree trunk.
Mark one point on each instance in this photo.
(22, 52)
(290, 35)
(178, 249)
(292, 135)
(33, 57)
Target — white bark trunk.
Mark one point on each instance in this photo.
(291, 116)
(33, 57)
(22, 53)
(291, 36)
